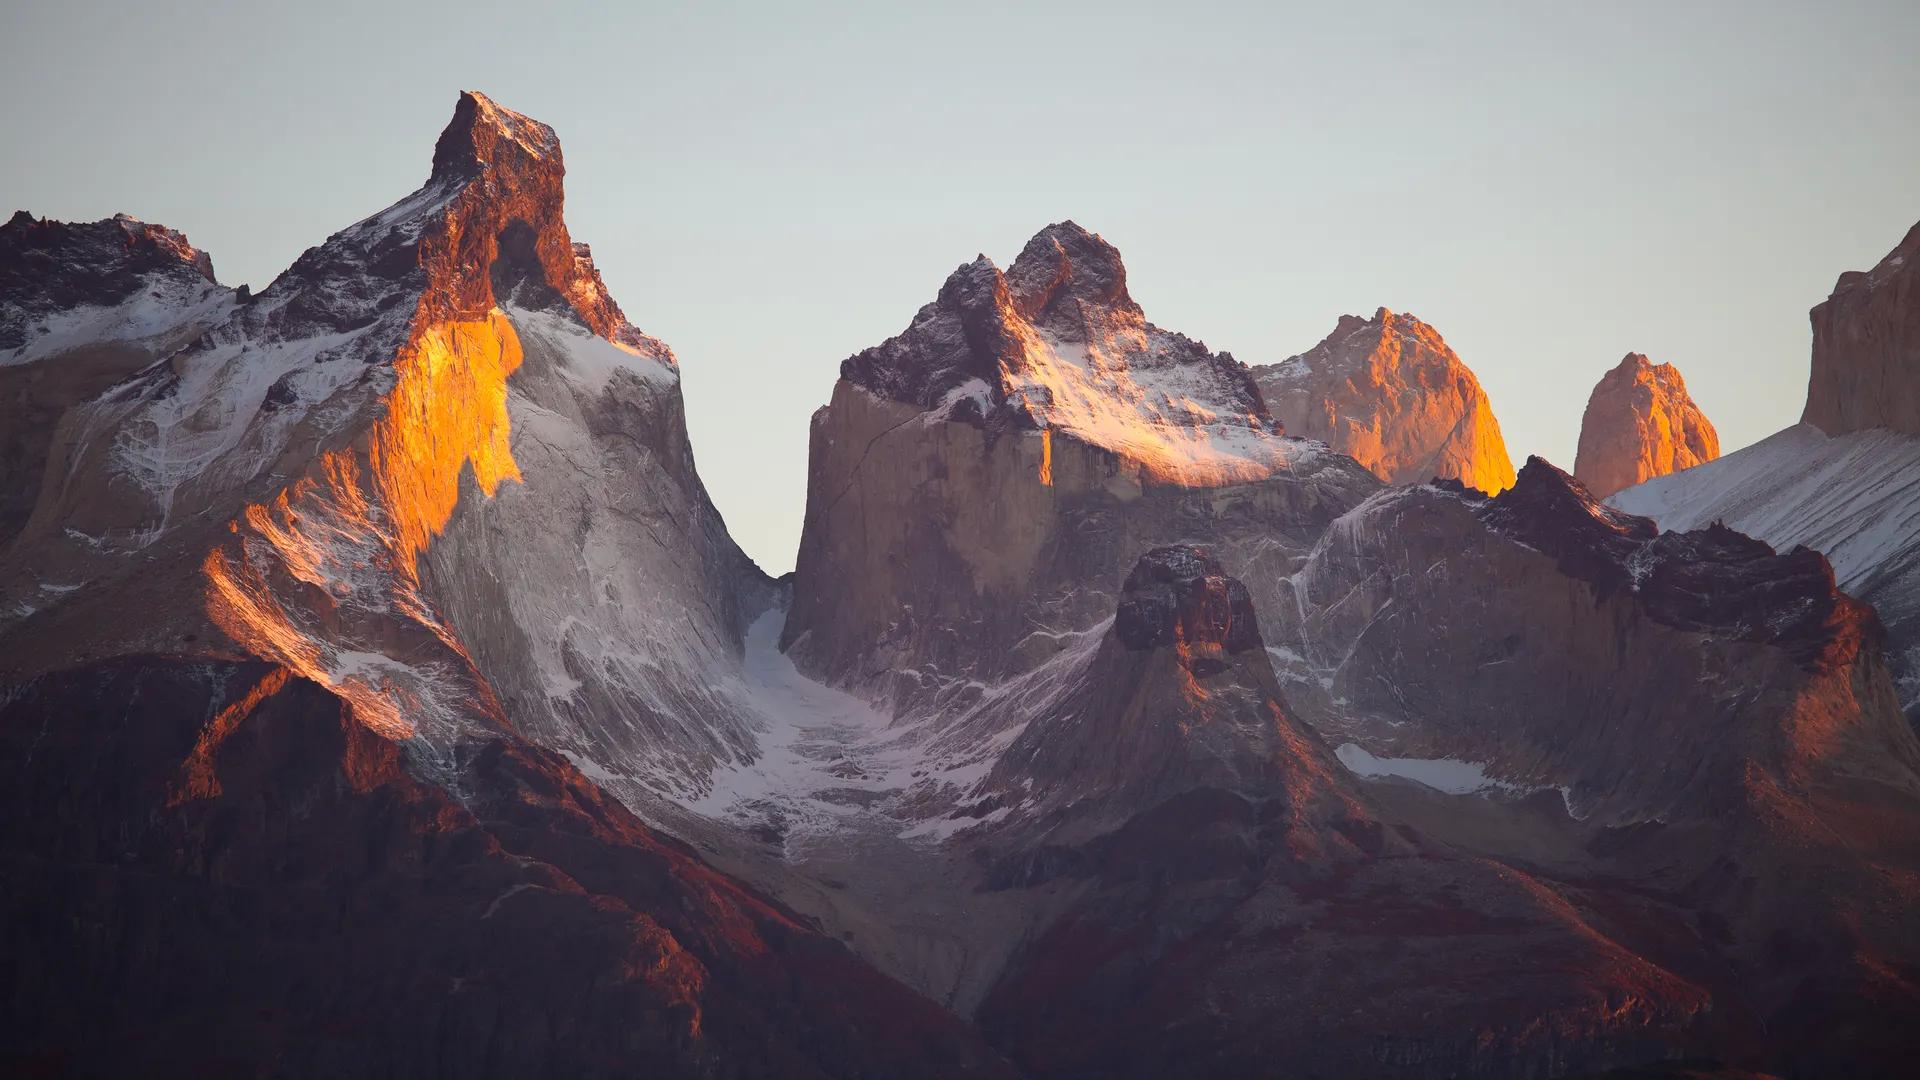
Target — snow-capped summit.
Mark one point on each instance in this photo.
(981, 481)
(1056, 344)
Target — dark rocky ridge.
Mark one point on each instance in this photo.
(48, 266)
(1564, 643)
(218, 868)
(1713, 580)
(1180, 594)
(1066, 280)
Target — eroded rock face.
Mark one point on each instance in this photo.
(980, 483)
(1866, 348)
(1389, 392)
(1640, 423)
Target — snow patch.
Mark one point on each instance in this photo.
(591, 360)
(159, 307)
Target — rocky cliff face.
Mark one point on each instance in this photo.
(1866, 348)
(979, 484)
(1390, 393)
(1640, 423)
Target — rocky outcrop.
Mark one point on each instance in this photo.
(1180, 695)
(979, 483)
(1866, 348)
(1640, 423)
(1389, 392)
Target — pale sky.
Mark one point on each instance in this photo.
(771, 188)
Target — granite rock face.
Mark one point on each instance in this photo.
(981, 482)
(1389, 392)
(1866, 348)
(1640, 423)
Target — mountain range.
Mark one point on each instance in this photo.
(382, 693)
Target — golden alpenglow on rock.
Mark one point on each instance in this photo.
(1640, 423)
(1388, 392)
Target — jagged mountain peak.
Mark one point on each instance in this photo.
(1179, 595)
(1640, 423)
(1066, 267)
(1389, 391)
(1550, 509)
(483, 134)
(487, 229)
(121, 242)
(1055, 344)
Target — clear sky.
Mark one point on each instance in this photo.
(771, 188)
